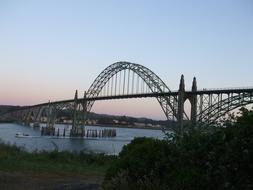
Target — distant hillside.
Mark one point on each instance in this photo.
(107, 119)
(103, 118)
(7, 108)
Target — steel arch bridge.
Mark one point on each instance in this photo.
(124, 80)
(153, 82)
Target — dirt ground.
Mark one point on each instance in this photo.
(55, 181)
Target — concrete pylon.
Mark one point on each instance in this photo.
(84, 108)
(74, 122)
(181, 99)
(194, 102)
(49, 114)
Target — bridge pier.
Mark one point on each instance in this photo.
(194, 102)
(79, 116)
(38, 117)
(182, 97)
(84, 105)
(28, 117)
(49, 129)
(181, 100)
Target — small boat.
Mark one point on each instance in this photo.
(19, 134)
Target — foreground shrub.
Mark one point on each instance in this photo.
(141, 165)
(222, 159)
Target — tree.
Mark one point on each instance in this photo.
(218, 160)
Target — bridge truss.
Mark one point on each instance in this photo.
(129, 80)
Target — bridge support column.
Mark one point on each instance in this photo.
(84, 104)
(50, 116)
(181, 99)
(74, 120)
(28, 116)
(21, 117)
(194, 103)
(49, 129)
(27, 119)
(38, 117)
(79, 117)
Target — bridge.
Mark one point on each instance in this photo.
(124, 80)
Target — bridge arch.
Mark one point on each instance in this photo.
(211, 114)
(155, 84)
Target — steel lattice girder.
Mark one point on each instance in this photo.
(221, 108)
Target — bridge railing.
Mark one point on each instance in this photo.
(220, 89)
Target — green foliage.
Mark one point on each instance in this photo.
(141, 165)
(13, 158)
(221, 159)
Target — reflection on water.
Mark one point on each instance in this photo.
(101, 145)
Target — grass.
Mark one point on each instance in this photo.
(13, 158)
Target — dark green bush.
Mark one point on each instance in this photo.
(141, 165)
(222, 159)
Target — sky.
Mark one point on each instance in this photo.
(50, 48)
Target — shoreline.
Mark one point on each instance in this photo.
(46, 170)
(105, 125)
(126, 126)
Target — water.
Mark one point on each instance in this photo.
(103, 145)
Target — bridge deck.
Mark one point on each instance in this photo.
(149, 95)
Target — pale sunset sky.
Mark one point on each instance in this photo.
(50, 48)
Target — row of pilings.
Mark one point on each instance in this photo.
(51, 131)
(79, 132)
(94, 133)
